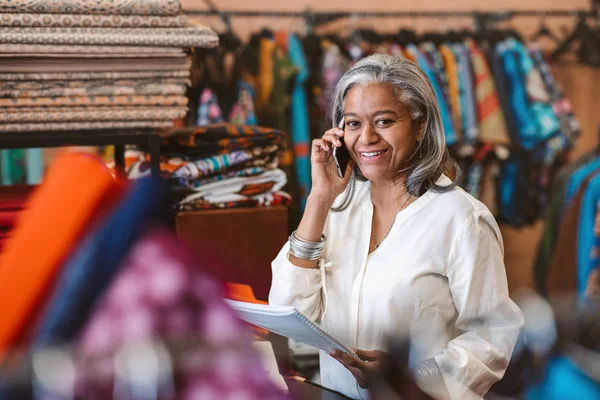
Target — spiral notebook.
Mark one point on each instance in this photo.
(288, 322)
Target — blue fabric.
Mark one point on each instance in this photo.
(300, 123)
(467, 98)
(543, 114)
(95, 263)
(526, 125)
(508, 181)
(564, 380)
(586, 239)
(34, 170)
(577, 179)
(449, 132)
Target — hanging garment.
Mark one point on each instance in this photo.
(77, 189)
(587, 257)
(561, 275)
(439, 67)
(527, 128)
(334, 67)
(265, 76)
(12, 166)
(92, 267)
(469, 112)
(578, 177)
(242, 112)
(569, 125)
(162, 292)
(492, 126)
(300, 133)
(453, 86)
(501, 83)
(449, 133)
(539, 98)
(209, 111)
(553, 218)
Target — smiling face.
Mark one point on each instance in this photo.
(380, 133)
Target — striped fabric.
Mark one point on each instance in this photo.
(492, 126)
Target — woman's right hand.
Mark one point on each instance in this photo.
(326, 182)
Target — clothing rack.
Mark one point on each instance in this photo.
(314, 19)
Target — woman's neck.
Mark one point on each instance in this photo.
(389, 196)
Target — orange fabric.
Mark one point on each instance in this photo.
(265, 73)
(76, 187)
(453, 86)
(240, 292)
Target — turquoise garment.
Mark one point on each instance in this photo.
(564, 381)
(586, 239)
(526, 125)
(300, 126)
(449, 132)
(34, 161)
(577, 179)
(12, 166)
(543, 114)
(467, 96)
(508, 182)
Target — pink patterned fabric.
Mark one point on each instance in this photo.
(162, 293)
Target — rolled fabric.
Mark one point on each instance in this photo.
(86, 20)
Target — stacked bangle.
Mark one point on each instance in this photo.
(305, 250)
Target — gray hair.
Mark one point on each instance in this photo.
(431, 158)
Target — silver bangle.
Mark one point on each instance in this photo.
(304, 249)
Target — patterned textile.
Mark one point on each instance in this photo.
(492, 126)
(209, 111)
(162, 292)
(193, 36)
(252, 171)
(105, 7)
(70, 126)
(439, 66)
(88, 21)
(70, 114)
(264, 200)
(94, 101)
(73, 76)
(258, 157)
(453, 87)
(87, 56)
(334, 66)
(220, 139)
(569, 125)
(469, 112)
(67, 49)
(239, 188)
(159, 86)
(49, 65)
(242, 112)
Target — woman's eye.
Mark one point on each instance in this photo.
(384, 122)
(353, 124)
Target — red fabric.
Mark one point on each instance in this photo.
(14, 197)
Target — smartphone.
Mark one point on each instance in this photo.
(341, 156)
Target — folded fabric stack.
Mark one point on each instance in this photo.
(220, 166)
(94, 64)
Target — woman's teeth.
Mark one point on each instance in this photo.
(372, 154)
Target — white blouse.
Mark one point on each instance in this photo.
(438, 277)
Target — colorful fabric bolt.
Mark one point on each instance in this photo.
(77, 189)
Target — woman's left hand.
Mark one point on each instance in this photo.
(369, 362)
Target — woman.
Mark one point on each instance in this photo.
(403, 250)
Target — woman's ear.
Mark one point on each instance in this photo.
(420, 130)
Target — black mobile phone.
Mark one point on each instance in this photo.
(341, 156)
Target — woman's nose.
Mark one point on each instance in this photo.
(368, 135)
